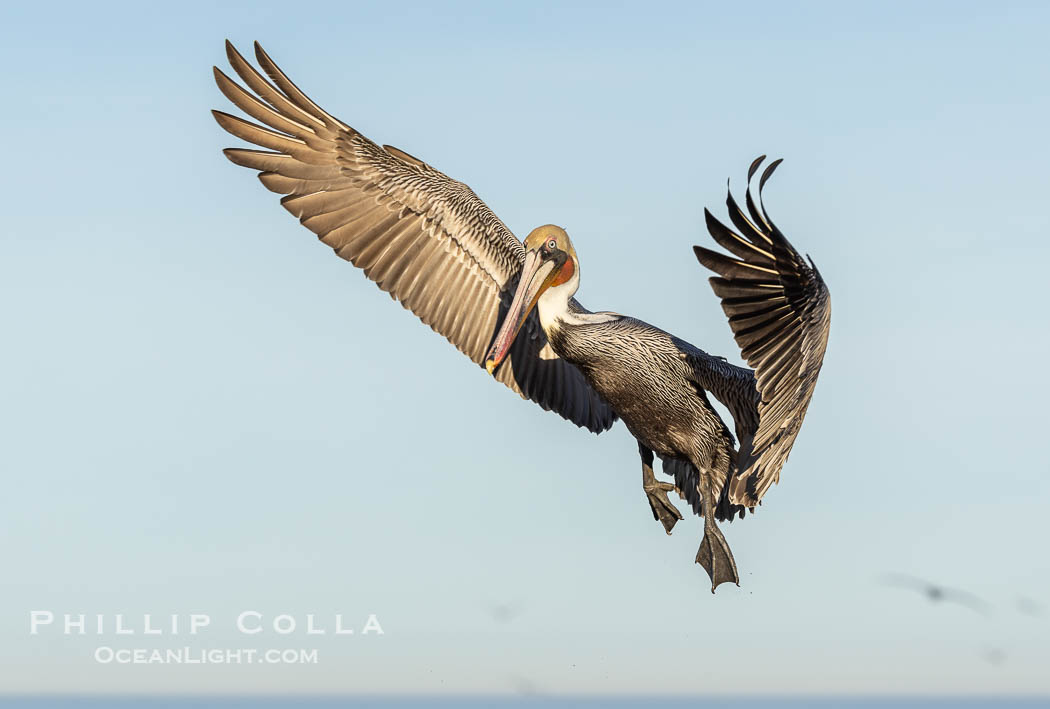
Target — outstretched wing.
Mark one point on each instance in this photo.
(780, 312)
(421, 236)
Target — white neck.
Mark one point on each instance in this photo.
(553, 307)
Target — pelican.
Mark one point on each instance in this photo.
(510, 306)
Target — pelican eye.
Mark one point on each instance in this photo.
(552, 244)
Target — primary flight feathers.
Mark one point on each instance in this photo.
(780, 311)
(419, 235)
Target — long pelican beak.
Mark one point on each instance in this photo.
(537, 275)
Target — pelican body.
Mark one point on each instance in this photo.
(510, 306)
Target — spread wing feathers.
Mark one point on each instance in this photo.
(422, 237)
(780, 312)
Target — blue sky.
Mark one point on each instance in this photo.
(206, 411)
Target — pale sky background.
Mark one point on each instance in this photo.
(204, 410)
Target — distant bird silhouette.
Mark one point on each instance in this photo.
(1029, 607)
(994, 656)
(938, 594)
(505, 612)
(525, 687)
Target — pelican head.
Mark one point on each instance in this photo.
(550, 271)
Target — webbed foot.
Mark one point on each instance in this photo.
(656, 492)
(716, 558)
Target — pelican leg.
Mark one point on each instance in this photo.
(714, 554)
(656, 492)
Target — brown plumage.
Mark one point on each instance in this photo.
(419, 235)
(437, 249)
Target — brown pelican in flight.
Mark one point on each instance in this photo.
(429, 242)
